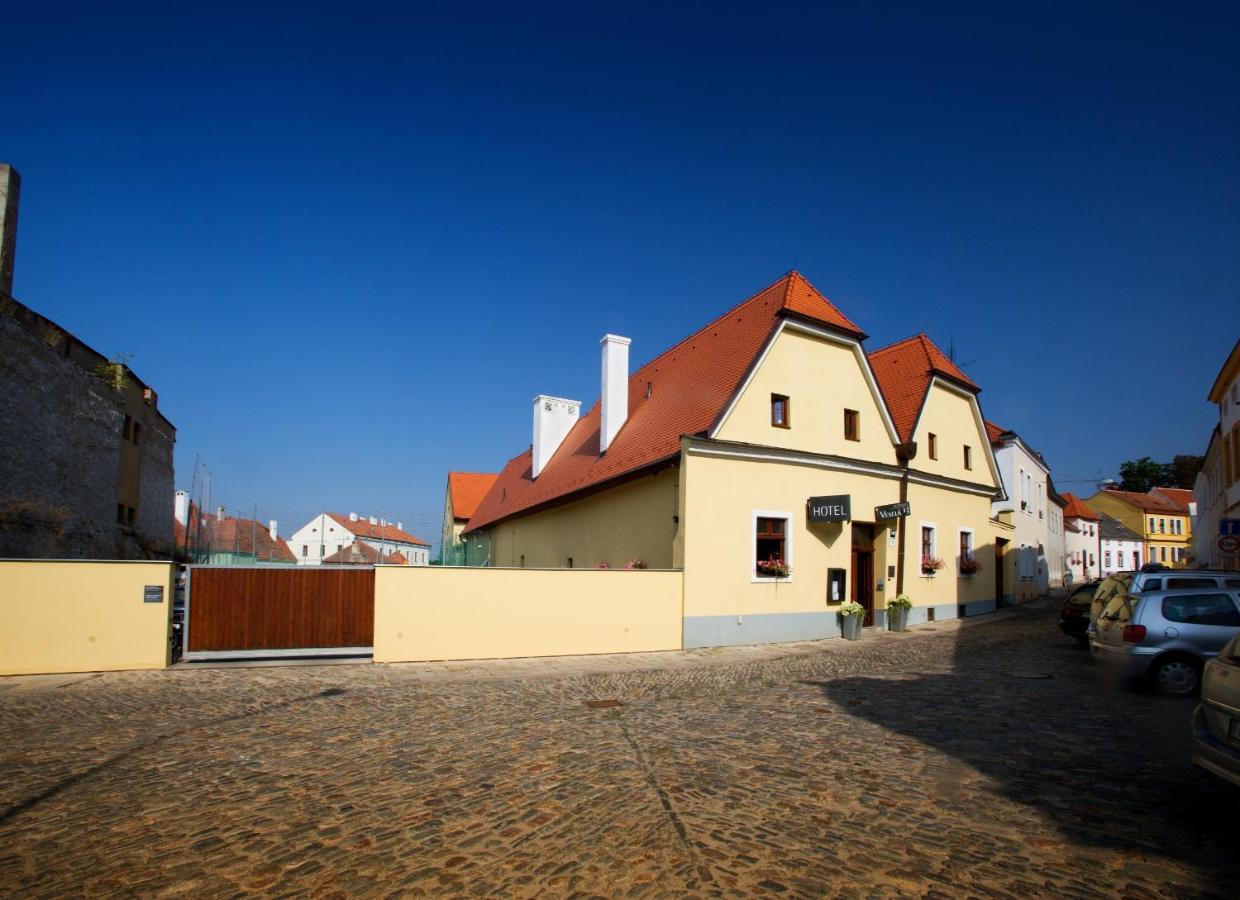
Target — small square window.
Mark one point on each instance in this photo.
(570, 562)
(852, 425)
(968, 457)
(127, 428)
(137, 432)
(934, 445)
(781, 412)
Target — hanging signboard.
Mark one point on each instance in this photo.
(836, 508)
(892, 511)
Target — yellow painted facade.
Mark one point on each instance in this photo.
(63, 616)
(636, 520)
(821, 378)
(948, 414)
(1168, 537)
(482, 613)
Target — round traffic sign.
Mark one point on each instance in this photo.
(1229, 543)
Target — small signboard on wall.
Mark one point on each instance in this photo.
(836, 586)
(892, 511)
(153, 593)
(836, 508)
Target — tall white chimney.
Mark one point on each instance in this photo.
(180, 507)
(219, 514)
(271, 530)
(352, 517)
(554, 418)
(615, 394)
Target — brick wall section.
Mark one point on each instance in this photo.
(60, 440)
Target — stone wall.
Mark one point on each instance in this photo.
(60, 439)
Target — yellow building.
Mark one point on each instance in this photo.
(1163, 523)
(465, 491)
(783, 467)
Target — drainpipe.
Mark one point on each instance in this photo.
(904, 453)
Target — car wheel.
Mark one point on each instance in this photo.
(1177, 677)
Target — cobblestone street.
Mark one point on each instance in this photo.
(983, 761)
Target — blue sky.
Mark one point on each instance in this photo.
(348, 243)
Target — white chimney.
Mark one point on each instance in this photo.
(615, 395)
(219, 514)
(374, 521)
(271, 529)
(352, 517)
(554, 418)
(400, 526)
(180, 507)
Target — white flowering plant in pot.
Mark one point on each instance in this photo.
(850, 608)
(900, 602)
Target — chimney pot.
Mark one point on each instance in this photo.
(614, 398)
(352, 517)
(374, 521)
(271, 529)
(180, 507)
(219, 514)
(554, 418)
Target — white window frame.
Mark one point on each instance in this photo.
(934, 546)
(972, 548)
(754, 516)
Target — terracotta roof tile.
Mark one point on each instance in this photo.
(904, 370)
(994, 432)
(360, 554)
(1147, 502)
(467, 490)
(1077, 508)
(386, 532)
(1181, 497)
(682, 391)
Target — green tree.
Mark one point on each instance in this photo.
(1183, 470)
(1139, 475)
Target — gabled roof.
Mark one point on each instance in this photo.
(359, 554)
(1146, 502)
(904, 371)
(379, 531)
(994, 433)
(1077, 508)
(467, 490)
(247, 536)
(1112, 529)
(682, 391)
(1181, 497)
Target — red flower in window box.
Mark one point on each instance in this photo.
(774, 568)
(930, 565)
(970, 566)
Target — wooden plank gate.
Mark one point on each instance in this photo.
(259, 611)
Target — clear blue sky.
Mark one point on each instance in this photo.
(349, 243)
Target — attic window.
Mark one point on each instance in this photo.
(934, 445)
(781, 411)
(852, 425)
(968, 457)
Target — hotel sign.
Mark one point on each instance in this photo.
(836, 508)
(892, 511)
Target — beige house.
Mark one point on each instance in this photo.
(783, 467)
(465, 491)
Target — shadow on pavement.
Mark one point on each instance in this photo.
(1104, 766)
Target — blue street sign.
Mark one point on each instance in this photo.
(1229, 526)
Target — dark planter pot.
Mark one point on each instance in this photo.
(897, 619)
(851, 627)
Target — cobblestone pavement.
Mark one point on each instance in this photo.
(984, 761)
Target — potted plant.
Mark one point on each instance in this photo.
(635, 564)
(897, 612)
(930, 565)
(774, 568)
(852, 614)
(970, 566)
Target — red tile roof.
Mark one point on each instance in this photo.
(682, 391)
(1077, 508)
(230, 535)
(379, 532)
(904, 370)
(467, 490)
(359, 554)
(1181, 497)
(994, 432)
(1148, 502)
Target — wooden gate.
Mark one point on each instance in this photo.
(268, 611)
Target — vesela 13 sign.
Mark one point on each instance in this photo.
(836, 508)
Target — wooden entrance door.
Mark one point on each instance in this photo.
(863, 569)
(1000, 590)
(254, 608)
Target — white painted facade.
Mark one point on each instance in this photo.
(324, 535)
(1081, 548)
(1120, 550)
(1039, 539)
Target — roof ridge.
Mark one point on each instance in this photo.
(893, 344)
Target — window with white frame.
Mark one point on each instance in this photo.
(1106, 558)
(966, 564)
(772, 545)
(929, 548)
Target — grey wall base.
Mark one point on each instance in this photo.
(772, 628)
(977, 608)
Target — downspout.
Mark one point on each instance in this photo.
(904, 453)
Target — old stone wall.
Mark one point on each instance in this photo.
(60, 437)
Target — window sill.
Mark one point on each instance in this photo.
(764, 579)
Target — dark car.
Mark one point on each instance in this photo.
(1074, 614)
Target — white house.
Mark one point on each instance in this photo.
(1082, 541)
(1121, 548)
(1038, 519)
(329, 533)
(1216, 528)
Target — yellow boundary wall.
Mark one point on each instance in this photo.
(67, 616)
(437, 613)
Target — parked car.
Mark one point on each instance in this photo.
(1216, 721)
(1156, 577)
(1074, 613)
(1166, 636)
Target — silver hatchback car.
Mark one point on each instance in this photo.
(1216, 721)
(1166, 636)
